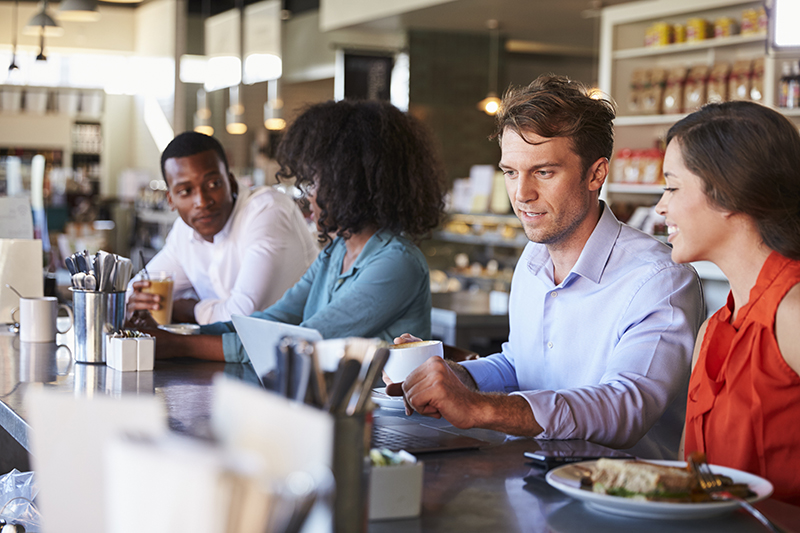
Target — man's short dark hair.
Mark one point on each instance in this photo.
(555, 106)
(190, 143)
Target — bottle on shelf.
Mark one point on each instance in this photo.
(793, 96)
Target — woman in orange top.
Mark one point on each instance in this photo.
(733, 198)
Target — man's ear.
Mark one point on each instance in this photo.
(597, 174)
(234, 185)
(169, 196)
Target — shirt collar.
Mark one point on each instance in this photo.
(594, 256)
(226, 229)
(378, 240)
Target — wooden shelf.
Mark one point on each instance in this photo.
(636, 188)
(483, 240)
(486, 218)
(717, 42)
(648, 120)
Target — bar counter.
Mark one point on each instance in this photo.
(491, 489)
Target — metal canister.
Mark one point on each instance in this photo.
(97, 314)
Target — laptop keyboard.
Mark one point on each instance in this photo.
(386, 437)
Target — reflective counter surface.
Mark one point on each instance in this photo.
(491, 489)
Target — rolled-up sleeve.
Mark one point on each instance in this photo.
(647, 370)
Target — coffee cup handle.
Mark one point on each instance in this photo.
(12, 315)
(69, 365)
(71, 318)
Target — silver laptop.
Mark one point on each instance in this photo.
(401, 433)
(260, 339)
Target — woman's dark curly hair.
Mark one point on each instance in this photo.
(372, 166)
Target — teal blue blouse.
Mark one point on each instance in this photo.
(384, 294)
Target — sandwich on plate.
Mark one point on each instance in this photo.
(641, 480)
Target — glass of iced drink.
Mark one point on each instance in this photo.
(162, 283)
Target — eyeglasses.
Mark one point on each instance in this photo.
(308, 189)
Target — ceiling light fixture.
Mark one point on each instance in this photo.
(43, 24)
(273, 108)
(78, 10)
(13, 66)
(202, 117)
(491, 104)
(234, 115)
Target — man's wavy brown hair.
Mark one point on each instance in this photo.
(556, 106)
(372, 166)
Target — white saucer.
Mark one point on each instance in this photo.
(380, 398)
(181, 329)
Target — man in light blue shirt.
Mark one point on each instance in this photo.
(602, 321)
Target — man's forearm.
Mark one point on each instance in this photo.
(508, 414)
(463, 374)
(208, 347)
(499, 412)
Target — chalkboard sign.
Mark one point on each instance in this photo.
(367, 76)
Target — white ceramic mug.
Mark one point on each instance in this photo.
(404, 358)
(37, 319)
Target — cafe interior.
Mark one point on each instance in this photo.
(96, 435)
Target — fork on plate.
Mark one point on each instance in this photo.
(712, 485)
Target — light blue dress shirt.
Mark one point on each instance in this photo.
(606, 354)
(385, 293)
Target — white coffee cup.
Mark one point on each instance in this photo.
(37, 319)
(404, 358)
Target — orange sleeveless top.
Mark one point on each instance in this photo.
(744, 400)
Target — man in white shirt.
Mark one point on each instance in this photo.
(238, 251)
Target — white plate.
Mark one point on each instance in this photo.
(380, 398)
(181, 329)
(567, 479)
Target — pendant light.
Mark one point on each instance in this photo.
(79, 10)
(234, 115)
(491, 104)
(42, 24)
(273, 108)
(202, 117)
(13, 66)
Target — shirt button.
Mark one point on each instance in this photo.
(554, 294)
(549, 344)
(339, 282)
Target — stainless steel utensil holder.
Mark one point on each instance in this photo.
(97, 314)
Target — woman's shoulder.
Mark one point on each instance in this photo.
(787, 333)
(398, 247)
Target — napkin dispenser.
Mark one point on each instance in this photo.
(395, 491)
(21, 266)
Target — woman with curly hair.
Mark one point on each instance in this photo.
(374, 186)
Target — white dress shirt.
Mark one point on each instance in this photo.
(263, 250)
(605, 355)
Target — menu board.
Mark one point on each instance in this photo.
(367, 76)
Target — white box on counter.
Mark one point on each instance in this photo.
(131, 354)
(395, 491)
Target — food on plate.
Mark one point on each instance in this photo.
(641, 480)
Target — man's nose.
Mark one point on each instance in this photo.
(203, 198)
(527, 189)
